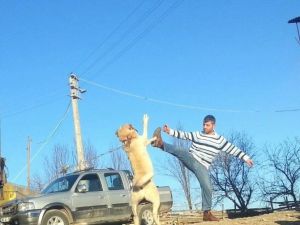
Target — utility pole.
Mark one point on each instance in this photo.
(73, 80)
(28, 162)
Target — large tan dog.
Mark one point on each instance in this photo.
(143, 186)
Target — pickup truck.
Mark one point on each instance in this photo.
(85, 197)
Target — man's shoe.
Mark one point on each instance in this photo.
(208, 216)
(158, 143)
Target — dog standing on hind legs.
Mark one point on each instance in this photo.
(135, 146)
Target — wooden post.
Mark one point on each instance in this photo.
(223, 211)
(271, 202)
(286, 202)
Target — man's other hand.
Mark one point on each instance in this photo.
(250, 162)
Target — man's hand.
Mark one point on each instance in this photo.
(166, 129)
(250, 162)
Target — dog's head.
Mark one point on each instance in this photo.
(126, 133)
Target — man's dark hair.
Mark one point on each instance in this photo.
(209, 118)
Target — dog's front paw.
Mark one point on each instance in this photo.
(146, 118)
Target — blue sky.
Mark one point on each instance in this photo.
(237, 59)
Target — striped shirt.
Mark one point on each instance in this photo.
(205, 147)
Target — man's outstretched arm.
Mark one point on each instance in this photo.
(237, 152)
(177, 133)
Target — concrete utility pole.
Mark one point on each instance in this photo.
(28, 162)
(81, 165)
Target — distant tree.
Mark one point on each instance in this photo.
(231, 176)
(282, 171)
(119, 159)
(178, 171)
(37, 183)
(56, 164)
(91, 157)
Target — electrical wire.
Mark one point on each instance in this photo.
(8, 114)
(46, 142)
(163, 102)
(159, 101)
(140, 36)
(134, 26)
(111, 34)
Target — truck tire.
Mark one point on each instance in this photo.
(55, 217)
(145, 215)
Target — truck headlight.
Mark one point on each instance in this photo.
(25, 206)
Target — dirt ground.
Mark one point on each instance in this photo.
(276, 218)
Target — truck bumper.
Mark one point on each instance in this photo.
(25, 218)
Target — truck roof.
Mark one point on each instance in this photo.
(98, 170)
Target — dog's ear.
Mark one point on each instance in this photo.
(131, 127)
(117, 133)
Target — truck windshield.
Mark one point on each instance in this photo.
(61, 184)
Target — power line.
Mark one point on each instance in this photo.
(186, 106)
(138, 22)
(48, 139)
(141, 35)
(13, 104)
(111, 33)
(28, 108)
(157, 100)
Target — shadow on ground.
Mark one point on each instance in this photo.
(288, 222)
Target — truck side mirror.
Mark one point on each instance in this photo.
(82, 188)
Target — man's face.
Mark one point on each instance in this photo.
(208, 127)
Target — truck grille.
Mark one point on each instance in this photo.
(9, 210)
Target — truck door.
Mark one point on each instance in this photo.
(89, 201)
(119, 197)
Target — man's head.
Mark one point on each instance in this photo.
(209, 123)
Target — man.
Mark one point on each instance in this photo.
(204, 148)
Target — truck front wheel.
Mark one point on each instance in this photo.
(55, 217)
(146, 215)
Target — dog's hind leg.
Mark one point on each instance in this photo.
(135, 215)
(136, 197)
(152, 196)
(155, 211)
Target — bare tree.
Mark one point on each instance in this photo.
(282, 171)
(231, 176)
(119, 159)
(37, 183)
(90, 156)
(178, 171)
(56, 165)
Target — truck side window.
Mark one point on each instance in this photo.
(114, 181)
(91, 181)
